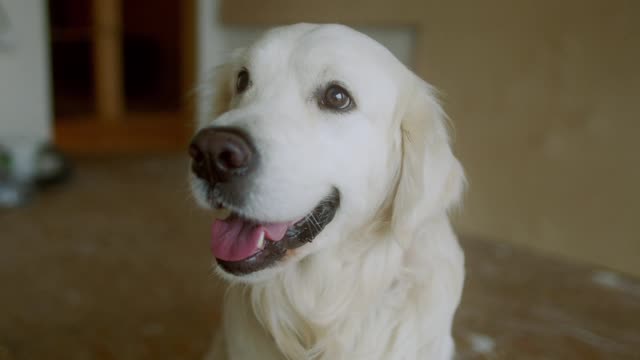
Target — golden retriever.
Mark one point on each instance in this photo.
(328, 167)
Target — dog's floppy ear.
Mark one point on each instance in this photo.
(431, 179)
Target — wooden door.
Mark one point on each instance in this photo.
(122, 73)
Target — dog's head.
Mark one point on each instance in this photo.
(313, 133)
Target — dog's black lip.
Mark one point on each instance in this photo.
(301, 233)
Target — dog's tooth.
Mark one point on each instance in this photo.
(222, 213)
(261, 240)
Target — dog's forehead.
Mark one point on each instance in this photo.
(310, 47)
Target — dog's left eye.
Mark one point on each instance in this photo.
(336, 97)
(243, 81)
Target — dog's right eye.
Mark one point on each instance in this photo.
(336, 98)
(243, 81)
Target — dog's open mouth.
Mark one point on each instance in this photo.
(242, 246)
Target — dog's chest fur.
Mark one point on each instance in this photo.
(349, 310)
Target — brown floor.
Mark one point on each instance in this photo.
(115, 265)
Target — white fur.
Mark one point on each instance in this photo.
(383, 280)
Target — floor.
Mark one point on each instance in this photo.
(115, 265)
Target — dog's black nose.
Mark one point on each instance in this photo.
(220, 154)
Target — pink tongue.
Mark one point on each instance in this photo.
(236, 239)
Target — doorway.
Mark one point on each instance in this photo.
(122, 72)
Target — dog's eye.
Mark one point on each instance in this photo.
(336, 98)
(243, 81)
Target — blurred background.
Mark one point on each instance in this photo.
(102, 254)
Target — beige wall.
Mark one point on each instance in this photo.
(544, 97)
(546, 100)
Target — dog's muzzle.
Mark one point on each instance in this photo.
(223, 158)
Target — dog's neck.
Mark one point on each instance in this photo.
(306, 305)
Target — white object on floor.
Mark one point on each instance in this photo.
(481, 344)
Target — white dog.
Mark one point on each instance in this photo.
(332, 162)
